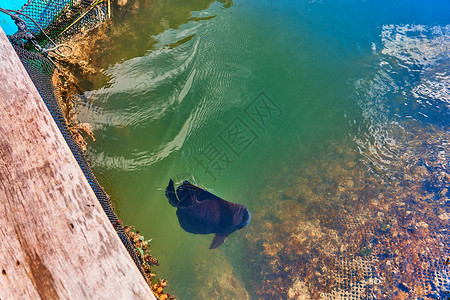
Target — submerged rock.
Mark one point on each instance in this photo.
(219, 281)
(299, 291)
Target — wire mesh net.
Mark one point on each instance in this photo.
(62, 18)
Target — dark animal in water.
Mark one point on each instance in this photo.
(201, 212)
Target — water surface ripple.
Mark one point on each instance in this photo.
(329, 120)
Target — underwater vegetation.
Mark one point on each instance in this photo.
(343, 231)
(143, 251)
(219, 282)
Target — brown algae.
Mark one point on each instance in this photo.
(342, 231)
(143, 251)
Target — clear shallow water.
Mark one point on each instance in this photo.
(275, 104)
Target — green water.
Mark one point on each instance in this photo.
(240, 97)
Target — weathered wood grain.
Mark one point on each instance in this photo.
(55, 240)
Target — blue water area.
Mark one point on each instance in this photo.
(6, 22)
(328, 120)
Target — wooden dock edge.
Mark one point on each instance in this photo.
(55, 240)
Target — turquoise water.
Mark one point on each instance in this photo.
(253, 99)
(6, 22)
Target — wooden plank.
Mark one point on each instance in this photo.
(55, 240)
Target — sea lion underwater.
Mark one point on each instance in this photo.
(201, 212)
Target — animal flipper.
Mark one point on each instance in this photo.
(187, 183)
(170, 194)
(200, 193)
(217, 241)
